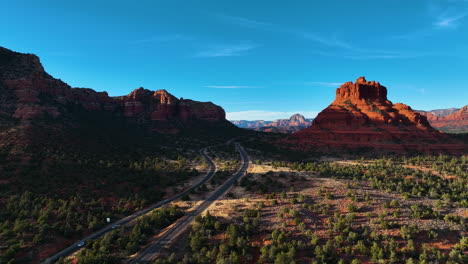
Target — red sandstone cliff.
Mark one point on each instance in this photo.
(362, 116)
(29, 94)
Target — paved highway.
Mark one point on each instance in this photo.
(151, 251)
(73, 248)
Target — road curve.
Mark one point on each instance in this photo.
(151, 251)
(74, 248)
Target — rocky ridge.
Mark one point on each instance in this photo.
(29, 93)
(448, 120)
(294, 123)
(250, 124)
(297, 120)
(440, 112)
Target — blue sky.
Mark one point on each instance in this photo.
(256, 59)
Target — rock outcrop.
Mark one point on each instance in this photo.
(294, 123)
(250, 124)
(362, 117)
(29, 94)
(442, 112)
(448, 120)
(166, 113)
(296, 120)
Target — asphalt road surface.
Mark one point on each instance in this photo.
(152, 250)
(75, 247)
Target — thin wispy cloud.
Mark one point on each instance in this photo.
(240, 103)
(449, 21)
(62, 54)
(447, 14)
(230, 87)
(331, 42)
(450, 15)
(242, 21)
(333, 46)
(383, 56)
(422, 90)
(411, 87)
(260, 25)
(310, 83)
(161, 39)
(420, 33)
(267, 115)
(226, 50)
(348, 51)
(323, 83)
(390, 55)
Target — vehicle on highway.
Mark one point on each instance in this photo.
(82, 243)
(75, 247)
(153, 249)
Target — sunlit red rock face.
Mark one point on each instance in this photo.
(166, 113)
(455, 121)
(28, 94)
(362, 117)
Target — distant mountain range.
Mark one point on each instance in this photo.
(294, 123)
(452, 120)
(250, 124)
(441, 112)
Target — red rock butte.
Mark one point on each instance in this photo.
(362, 117)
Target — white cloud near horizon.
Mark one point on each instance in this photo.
(267, 115)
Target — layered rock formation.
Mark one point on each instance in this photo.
(29, 94)
(448, 120)
(296, 120)
(441, 112)
(250, 124)
(166, 113)
(294, 123)
(362, 117)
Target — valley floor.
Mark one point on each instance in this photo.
(281, 215)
